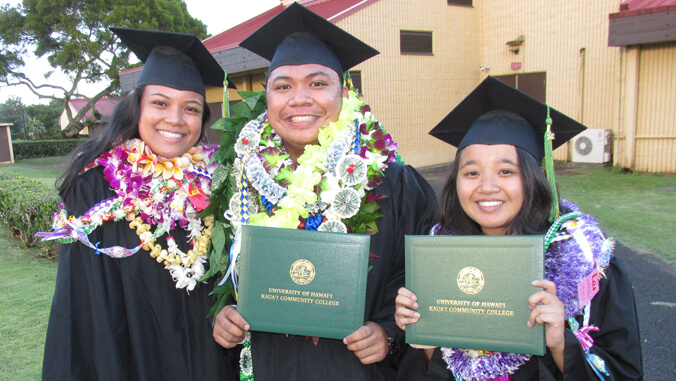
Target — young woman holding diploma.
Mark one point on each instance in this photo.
(496, 187)
(128, 304)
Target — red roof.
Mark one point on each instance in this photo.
(104, 106)
(332, 10)
(639, 7)
(233, 36)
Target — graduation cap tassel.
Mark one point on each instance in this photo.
(549, 168)
(347, 81)
(226, 97)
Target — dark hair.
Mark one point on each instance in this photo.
(531, 219)
(122, 126)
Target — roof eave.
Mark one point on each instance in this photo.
(644, 27)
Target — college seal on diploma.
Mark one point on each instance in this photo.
(471, 280)
(472, 291)
(302, 272)
(302, 282)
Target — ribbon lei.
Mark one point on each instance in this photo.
(583, 336)
(597, 364)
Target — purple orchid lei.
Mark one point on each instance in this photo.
(153, 183)
(566, 264)
(151, 191)
(343, 168)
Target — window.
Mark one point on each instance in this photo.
(356, 80)
(460, 2)
(414, 42)
(533, 84)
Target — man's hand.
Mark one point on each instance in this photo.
(369, 343)
(229, 327)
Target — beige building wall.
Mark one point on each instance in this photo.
(625, 140)
(410, 94)
(215, 94)
(249, 81)
(567, 40)
(629, 90)
(63, 120)
(656, 111)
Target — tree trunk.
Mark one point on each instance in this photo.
(75, 124)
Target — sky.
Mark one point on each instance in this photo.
(217, 15)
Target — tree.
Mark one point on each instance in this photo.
(12, 112)
(48, 115)
(35, 129)
(74, 37)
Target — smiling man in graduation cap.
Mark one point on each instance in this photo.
(321, 161)
(496, 187)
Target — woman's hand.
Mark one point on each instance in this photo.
(552, 313)
(229, 327)
(405, 306)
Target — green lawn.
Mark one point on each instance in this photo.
(27, 287)
(26, 293)
(44, 169)
(637, 209)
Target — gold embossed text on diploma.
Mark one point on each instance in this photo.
(473, 291)
(302, 282)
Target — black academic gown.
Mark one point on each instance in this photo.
(409, 204)
(124, 319)
(617, 342)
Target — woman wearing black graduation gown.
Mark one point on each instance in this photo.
(127, 303)
(612, 310)
(496, 187)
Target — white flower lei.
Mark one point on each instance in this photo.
(334, 164)
(151, 190)
(352, 153)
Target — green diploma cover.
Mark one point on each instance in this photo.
(303, 282)
(473, 291)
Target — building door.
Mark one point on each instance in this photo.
(533, 84)
(6, 144)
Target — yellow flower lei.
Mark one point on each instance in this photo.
(132, 169)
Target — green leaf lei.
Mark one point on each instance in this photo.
(327, 189)
(372, 141)
(223, 187)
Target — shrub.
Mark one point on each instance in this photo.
(27, 207)
(27, 149)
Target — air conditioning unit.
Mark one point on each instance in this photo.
(592, 146)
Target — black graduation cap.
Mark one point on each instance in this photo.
(176, 60)
(299, 36)
(496, 113)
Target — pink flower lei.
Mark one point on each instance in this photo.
(346, 165)
(151, 191)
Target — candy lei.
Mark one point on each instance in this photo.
(151, 191)
(327, 190)
(575, 247)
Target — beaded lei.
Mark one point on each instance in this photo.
(326, 190)
(574, 249)
(151, 191)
